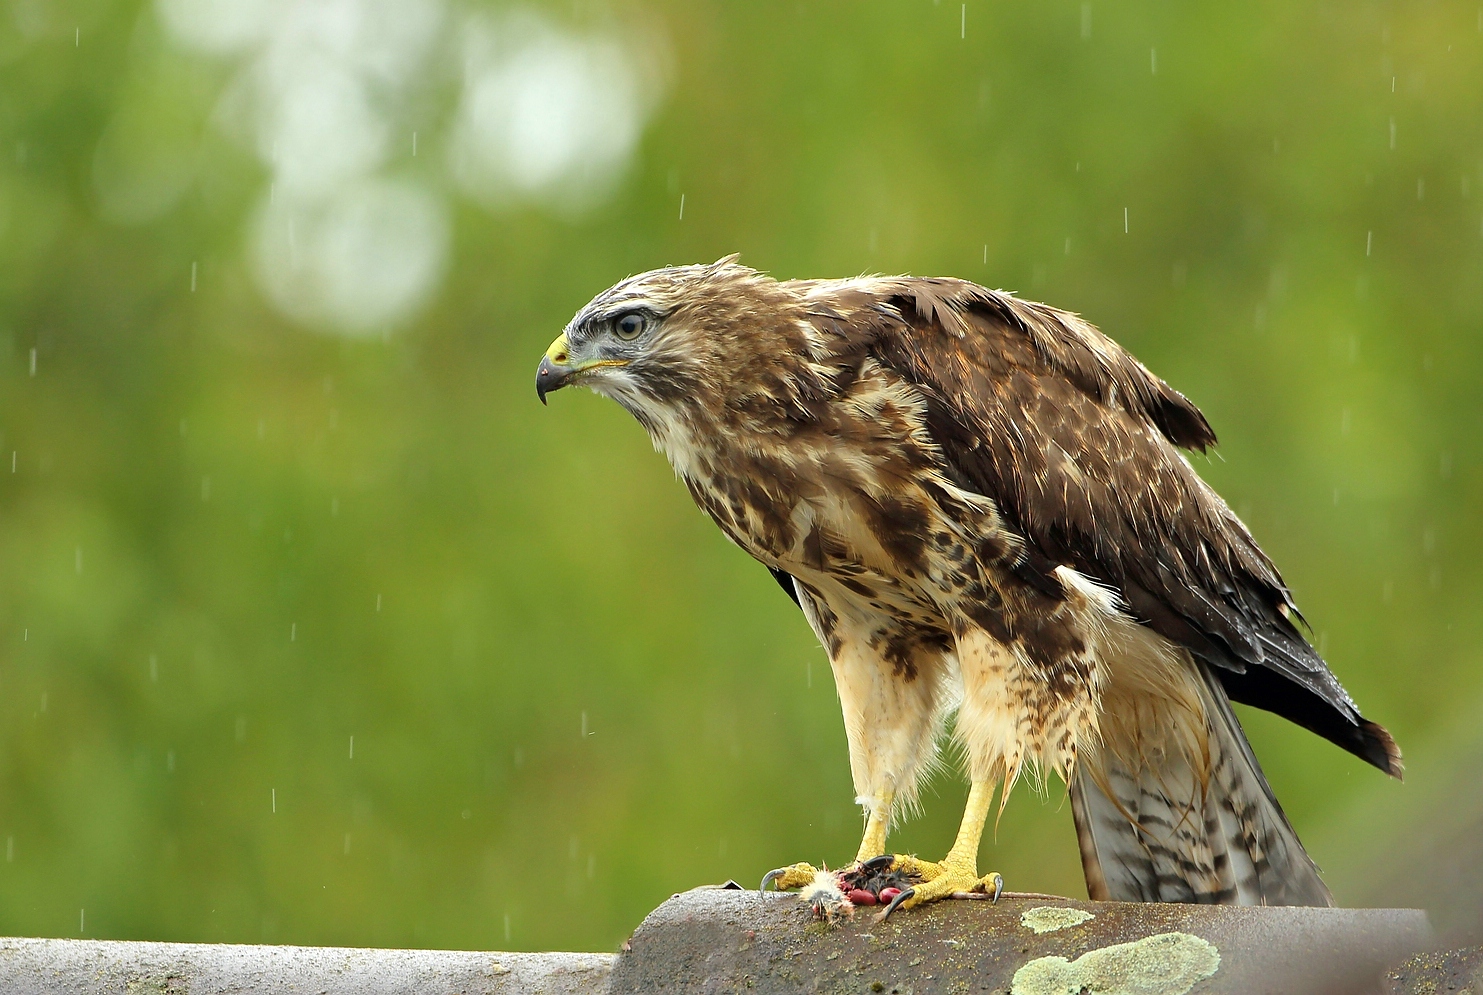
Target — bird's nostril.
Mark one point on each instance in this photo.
(560, 357)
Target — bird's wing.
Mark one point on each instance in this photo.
(1077, 443)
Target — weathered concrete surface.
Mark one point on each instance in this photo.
(96, 967)
(713, 941)
(1456, 971)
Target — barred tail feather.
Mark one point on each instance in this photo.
(1165, 833)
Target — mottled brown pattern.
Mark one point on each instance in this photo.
(981, 496)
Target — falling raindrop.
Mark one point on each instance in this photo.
(1086, 20)
(1420, 188)
(1125, 221)
(1369, 241)
(378, 602)
(12, 460)
(808, 671)
(963, 23)
(682, 207)
(584, 725)
(352, 747)
(507, 927)
(82, 920)
(193, 276)
(293, 632)
(414, 144)
(274, 796)
(1153, 61)
(33, 361)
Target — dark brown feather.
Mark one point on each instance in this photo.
(1075, 439)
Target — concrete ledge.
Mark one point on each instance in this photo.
(716, 940)
(713, 940)
(114, 967)
(1459, 971)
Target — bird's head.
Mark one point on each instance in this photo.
(670, 339)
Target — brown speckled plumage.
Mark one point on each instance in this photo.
(979, 503)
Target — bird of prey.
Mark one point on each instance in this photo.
(981, 507)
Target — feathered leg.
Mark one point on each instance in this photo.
(891, 712)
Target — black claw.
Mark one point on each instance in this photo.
(874, 864)
(998, 887)
(767, 879)
(897, 901)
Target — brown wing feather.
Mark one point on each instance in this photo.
(1075, 440)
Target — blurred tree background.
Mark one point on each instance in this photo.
(315, 627)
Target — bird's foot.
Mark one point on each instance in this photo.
(790, 877)
(930, 882)
(832, 894)
(893, 880)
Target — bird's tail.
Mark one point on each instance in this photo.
(1170, 831)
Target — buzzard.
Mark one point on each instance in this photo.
(981, 507)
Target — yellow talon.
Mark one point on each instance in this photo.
(790, 877)
(958, 871)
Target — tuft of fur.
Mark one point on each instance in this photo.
(826, 898)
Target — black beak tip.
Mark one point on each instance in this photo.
(548, 378)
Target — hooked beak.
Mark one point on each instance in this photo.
(554, 373)
(556, 369)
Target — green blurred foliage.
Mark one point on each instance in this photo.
(230, 544)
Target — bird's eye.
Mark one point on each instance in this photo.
(629, 326)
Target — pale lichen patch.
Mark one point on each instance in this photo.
(1049, 918)
(1165, 964)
